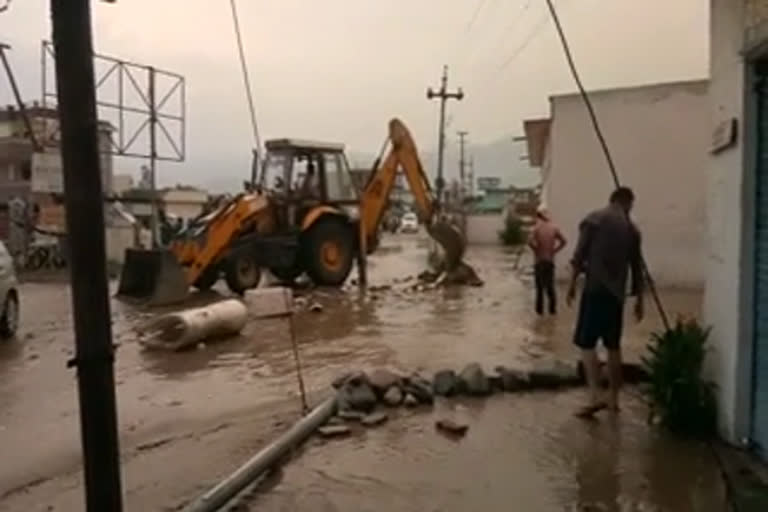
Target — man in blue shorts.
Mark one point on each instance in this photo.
(608, 248)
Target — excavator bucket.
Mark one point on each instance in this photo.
(152, 277)
(450, 240)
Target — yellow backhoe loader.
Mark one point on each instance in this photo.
(303, 216)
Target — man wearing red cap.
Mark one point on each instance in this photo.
(546, 240)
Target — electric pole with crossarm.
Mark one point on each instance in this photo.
(444, 95)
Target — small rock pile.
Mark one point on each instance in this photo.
(360, 393)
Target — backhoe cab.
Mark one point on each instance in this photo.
(315, 202)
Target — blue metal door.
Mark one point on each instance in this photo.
(760, 368)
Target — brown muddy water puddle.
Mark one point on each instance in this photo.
(522, 452)
(431, 330)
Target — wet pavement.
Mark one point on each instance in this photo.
(183, 396)
(524, 452)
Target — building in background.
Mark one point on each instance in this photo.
(183, 202)
(121, 183)
(656, 134)
(736, 297)
(31, 171)
(23, 171)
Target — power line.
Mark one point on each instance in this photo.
(475, 15)
(515, 23)
(528, 40)
(603, 144)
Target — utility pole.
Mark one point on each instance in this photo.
(462, 163)
(444, 95)
(95, 354)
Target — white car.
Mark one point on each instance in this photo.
(409, 223)
(9, 293)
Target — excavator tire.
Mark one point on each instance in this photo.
(207, 279)
(241, 272)
(328, 251)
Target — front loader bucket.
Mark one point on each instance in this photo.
(152, 277)
(451, 240)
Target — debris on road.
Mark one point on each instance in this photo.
(553, 376)
(445, 383)
(316, 307)
(269, 302)
(381, 380)
(474, 380)
(393, 396)
(513, 380)
(357, 394)
(452, 427)
(329, 431)
(349, 415)
(375, 419)
(341, 379)
(420, 388)
(410, 401)
(182, 329)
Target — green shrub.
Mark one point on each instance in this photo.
(513, 233)
(679, 396)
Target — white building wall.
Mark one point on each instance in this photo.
(657, 135)
(722, 298)
(737, 27)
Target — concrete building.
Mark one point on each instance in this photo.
(656, 134)
(121, 183)
(24, 171)
(183, 202)
(736, 298)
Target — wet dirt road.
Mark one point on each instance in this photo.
(199, 403)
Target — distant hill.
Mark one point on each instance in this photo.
(500, 158)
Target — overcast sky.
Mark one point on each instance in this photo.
(339, 69)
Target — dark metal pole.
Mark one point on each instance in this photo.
(71, 20)
(15, 88)
(153, 154)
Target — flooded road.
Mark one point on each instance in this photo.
(187, 397)
(523, 452)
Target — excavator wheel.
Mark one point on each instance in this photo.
(328, 251)
(242, 272)
(207, 279)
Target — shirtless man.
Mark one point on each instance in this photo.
(546, 240)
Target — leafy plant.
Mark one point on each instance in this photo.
(513, 233)
(679, 395)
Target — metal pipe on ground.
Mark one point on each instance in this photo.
(222, 494)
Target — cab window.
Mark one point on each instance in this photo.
(338, 179)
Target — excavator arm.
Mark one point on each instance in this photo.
(404, 156)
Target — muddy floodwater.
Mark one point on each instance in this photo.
(216, 404)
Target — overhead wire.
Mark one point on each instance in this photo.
(525, 43)
(475, 15)
(603, 144)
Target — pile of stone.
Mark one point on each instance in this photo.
(362, 396)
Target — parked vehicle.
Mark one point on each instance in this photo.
(9, 318)
(409, 223)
